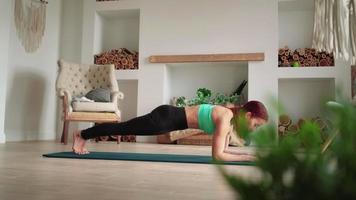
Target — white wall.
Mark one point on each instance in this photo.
(296, 23)
(166, 27)
(126, 34)
(229, 26)
(98, 45)
(4, 54)
(128, 105)
(116, 30)
(31, 97)
(305, 98)
(223, 78)
(71, 30)
(197, 27)
(296, 29)
(89, 42)
(70, 49)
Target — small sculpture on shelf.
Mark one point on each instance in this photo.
(304, 57)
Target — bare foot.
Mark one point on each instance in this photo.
(79, 144)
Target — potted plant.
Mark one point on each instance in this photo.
(298, 167)
(205, 96)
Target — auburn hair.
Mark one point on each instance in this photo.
(256, 108)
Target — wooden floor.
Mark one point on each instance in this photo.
(25, 174)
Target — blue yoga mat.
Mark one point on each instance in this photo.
(150, 157)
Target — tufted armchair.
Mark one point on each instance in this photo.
(76, 80)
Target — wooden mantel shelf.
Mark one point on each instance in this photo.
(207, 58)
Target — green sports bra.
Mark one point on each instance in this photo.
(205, 120)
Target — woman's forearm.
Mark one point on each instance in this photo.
(236, 152)
(234, 157)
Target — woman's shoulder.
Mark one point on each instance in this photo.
(223, 111)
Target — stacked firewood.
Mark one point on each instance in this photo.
(122, 58)
(304, 57)
(286, 126)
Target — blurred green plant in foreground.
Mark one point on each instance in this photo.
(296, 167)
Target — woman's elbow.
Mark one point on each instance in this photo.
(218, 156)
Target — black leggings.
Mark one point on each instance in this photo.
(161, 120)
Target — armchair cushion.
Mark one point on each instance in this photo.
(94, 106)
(99, 95)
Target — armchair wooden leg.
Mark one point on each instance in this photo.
(64, 138)
(118, 139)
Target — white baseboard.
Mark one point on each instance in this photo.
(2, 138)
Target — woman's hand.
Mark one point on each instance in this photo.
(219, 139)
(248, 158)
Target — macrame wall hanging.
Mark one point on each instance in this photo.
(30, 22)
(335, 28)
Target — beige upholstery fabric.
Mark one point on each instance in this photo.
(94, 107)
(78, 79)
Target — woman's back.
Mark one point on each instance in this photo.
(194, 116)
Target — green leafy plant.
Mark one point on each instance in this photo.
(297, 167)
(205, 96)
(181, 102)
